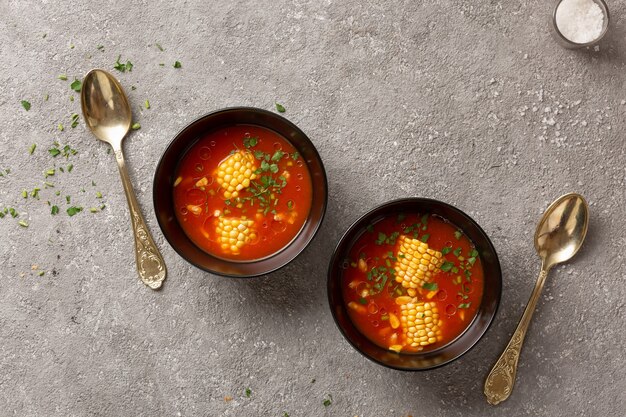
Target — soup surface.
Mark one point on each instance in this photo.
(412, 282)
(242, 193)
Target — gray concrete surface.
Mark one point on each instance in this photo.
(470, 102)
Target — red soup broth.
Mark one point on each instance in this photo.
(401, 309)
(242, 192)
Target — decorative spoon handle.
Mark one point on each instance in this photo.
(150, 264)
(500, 381)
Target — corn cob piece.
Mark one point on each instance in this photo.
(233, 233)
(235, 173)
(416, 262)
(420, 323)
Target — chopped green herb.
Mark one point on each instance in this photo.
(13, 212)
(100, 47)
(161, 64)
(177, 64)
(465, 305)
(458, 234)
(67, 198)
(457, 252)
(381, 238)
(425, 237)
(76, 85)
(159, 47)
(446, 250)
(62, 77)
(290, 205)
(285, 414)
(73, 210)
(248, 392)
(24, 194)
(26, 105)
(136, 126)
(23, 223)
(98, 194)
(71, 98)
(35, 193)
(49, 173)
(370, 228)
(128, 66)
(147, 104)
(46, 97)
(473, 253)
(54, 152)
(250, 142)
(277, 155)
(93, 210)
(280, 108)
(328, 401)
(430, 286)
(362, 300)
(447, 266)
(54, 210)
(295, 156)
(41, 273)
(60, 127)
(70, 167)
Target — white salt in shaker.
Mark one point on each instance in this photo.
(579, 23)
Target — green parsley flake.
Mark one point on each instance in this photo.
(23, 223)
(147, 104)
(248, 392)
(447, 266)
(430, 286)
(62, 77)
(26, 105)
(76, 85)
(458, 234)
(128, 66)
(159, 47)
(280, 108)
(177, 64)
(54, 152)
(136, 126)
(41, 273)
(328, 401)
(54, 210)
(60, 127)
(24, 194)
(73, 210)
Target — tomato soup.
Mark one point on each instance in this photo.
(242, 193)
(412, 282)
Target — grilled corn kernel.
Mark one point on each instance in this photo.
(233, 233)
(235, 173)
(421, 325)
(416, 262)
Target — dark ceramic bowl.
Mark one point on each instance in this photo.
(166, 174)
(457, 347)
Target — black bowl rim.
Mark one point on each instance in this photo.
(382, 207)
(304, 245)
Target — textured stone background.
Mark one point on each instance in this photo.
(467, 101)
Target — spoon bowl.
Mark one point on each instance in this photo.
(562, 229)
(108, 116)
(105, 106)
(559, 236)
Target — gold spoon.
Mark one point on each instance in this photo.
(558, 237)
(108, 115)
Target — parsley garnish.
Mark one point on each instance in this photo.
(458, 234)
(74, 210)
(248, 392)
(136, 126)
(54, 210)
(280, 108)
(177, 64)
(76, 85)
(128, 66)
(430, 286)
(26, 105)
(447, 266)
(328, 401)
(251, 142)
(446, 250)
(465, 305)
